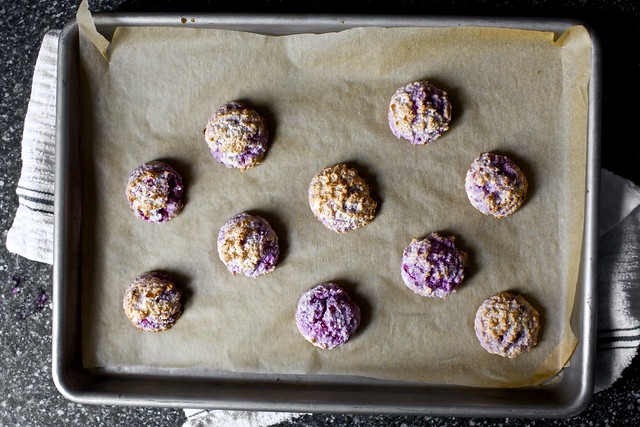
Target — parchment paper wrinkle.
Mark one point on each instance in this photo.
(88, 29)
(325, 97)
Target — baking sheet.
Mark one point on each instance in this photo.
(325, 97)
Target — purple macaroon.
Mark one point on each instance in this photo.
(419, 112)
(495, 185)
(248, 245)
(507, 325)
(433, 266)
(326, 316)
(155, 192)
(153, 302)
(237, 136)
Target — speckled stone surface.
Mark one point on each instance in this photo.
(27, 394)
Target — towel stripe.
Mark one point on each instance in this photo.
(37, 210)
(47, 207)
(36, 191)
(37, 200)
(619, 334)
(613, 339)
(195, 414)
(606, 331)
(616, 348)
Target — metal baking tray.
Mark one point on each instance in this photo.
(565, 395)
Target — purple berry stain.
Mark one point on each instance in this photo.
(29, 303)
(41, 300)
(17, 280)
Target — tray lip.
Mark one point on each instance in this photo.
(84, 386)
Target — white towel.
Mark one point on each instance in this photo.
(618, 335)
(31, 234)
(618, 260)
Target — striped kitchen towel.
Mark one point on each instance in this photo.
(618, 260)
(31, 234)
(618, 278)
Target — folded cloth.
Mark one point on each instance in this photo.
(31, 234)
(214, 418)
(618, 335)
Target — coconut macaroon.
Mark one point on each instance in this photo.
(248, 245)
(326, 316)
(507, 325)
(339, 197)
(155, 192)
(433, 266)
(495, 185)
(152, 302)
(419, 112)
(237, 136)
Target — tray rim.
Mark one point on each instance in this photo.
(140, 389)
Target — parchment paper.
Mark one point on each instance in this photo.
(325, 97)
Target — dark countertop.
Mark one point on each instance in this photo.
(28, 396)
